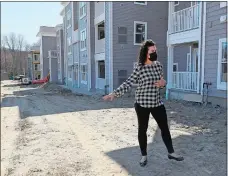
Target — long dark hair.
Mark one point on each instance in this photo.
(144, 50)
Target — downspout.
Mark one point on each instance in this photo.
(203, 47)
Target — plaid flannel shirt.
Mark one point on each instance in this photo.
(146, 94)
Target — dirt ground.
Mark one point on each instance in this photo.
(49, 131)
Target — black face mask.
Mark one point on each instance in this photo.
(153, 56)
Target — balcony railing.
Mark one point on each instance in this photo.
(185, 19)
(52, 54)
(185, 81)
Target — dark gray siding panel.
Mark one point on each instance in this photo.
(48, 43)
(124, 15)
(214, 31)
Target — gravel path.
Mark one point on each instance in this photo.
(49, 131)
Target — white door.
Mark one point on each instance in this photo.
(100, 74)
(195, 60)
(189, 62)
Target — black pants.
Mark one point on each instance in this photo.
(159, 114)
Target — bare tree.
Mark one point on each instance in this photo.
(16, 45)
(20, 46)
(11, 44)
(3, 54)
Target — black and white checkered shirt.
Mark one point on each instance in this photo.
(146, 94)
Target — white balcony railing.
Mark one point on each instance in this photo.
(185, 19)
(185, 80)
(52, 54)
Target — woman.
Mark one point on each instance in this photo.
(148, 74)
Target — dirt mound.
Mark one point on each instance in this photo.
(55, 88)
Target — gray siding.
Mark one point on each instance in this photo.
(214, 31)
(180, 55)
(53, 69)
(48, 43)
(124, 15)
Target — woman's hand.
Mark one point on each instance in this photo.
(109, 97)
(160, 83)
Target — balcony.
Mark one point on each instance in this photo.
(186, 19)
(52, 54)
(185, 81)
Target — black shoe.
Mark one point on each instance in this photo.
(144, 163)
(177, 158)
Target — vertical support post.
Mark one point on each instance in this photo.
(170, 70)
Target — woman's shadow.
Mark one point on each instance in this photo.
(195, 151)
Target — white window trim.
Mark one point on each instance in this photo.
(68, 12)
(220, 85)
(69, 45)
(70, 79)
(80, 17)
(84, 30)
(140, 3)
(139, 22)
(223, 4)
(177, 3)
(74, 70)
(176, 66)
(82, 81)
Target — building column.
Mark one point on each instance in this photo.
(170, 70)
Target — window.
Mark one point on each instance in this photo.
(82, 10)
(70, 73)
(68, 22)
(36, 57)
(140, 2)
(176, 3)
(84, 74)
(140, 32)
(122, 35)
(175, 67)
(36, 67)
(101, 31)
(223, 4)
(83, 40)
(76, 71)
(69, 41)
(101, 69)
(222, 64)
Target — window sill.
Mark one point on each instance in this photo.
(140, 3)
(81, 17)
(83, 49)
(137, 44)
(221, 86)
(84, 82)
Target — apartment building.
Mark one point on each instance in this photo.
(33, 70)
(48, 46)
(197, 47)
(102, 40)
